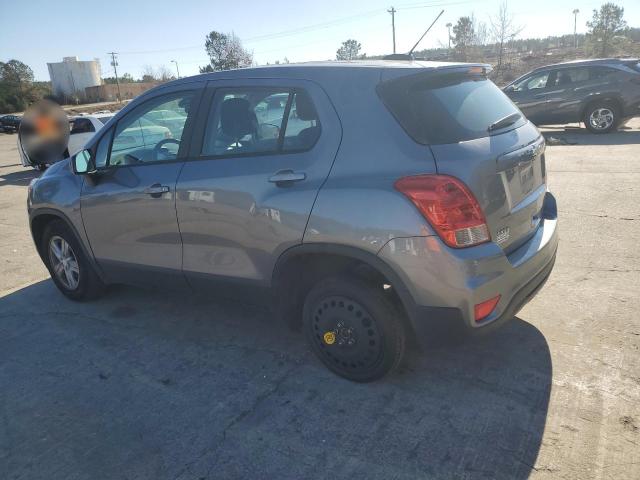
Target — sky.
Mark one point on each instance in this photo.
(155, 32)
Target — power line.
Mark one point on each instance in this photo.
(308, 28)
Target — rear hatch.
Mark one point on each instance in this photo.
(478, 135)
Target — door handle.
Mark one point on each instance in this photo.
(156, 190)
(286, 177)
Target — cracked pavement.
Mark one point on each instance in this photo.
(150, 385)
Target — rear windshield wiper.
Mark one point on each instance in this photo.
(504, 122)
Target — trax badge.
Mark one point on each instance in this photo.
(329, 338)
(503, 235)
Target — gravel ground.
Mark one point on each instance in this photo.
(148, 385)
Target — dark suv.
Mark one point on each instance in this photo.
(600, 93)
(373, 199)
(9, 123)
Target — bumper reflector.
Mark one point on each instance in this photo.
(484, 309)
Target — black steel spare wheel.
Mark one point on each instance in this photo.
(346, 334)
(353, 329)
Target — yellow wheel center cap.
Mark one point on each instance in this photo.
(329, 338)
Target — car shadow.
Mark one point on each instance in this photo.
(20, 178)
(155, 385)
(581, 136)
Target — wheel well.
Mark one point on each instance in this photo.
(612, 100)
(295, 277)
(38, 225)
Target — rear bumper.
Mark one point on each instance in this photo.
(445, 284)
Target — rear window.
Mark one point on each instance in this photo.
(634, 66)
(446, 109)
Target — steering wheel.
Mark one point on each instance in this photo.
(162, 143)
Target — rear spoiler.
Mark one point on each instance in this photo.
(411, 75)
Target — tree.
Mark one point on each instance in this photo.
(225, 52)
(605, 25)
(463, 37)
(349, 50)
(164, 74)
(126, 78)
(481, 33)
(148, 74)
(16, 86)
(503, 31)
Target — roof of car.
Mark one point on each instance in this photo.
(283, 70)
(593, 61)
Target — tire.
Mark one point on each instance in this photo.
(601, 117)
(353, 329)
(78, 280)
(41, 167)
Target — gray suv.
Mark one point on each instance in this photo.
(374, 201)
(599, 93)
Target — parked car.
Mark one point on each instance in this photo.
(10, 123)
(599, 93)
(414, 195)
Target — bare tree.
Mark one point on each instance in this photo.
(148, 74)
(481, 34)
(503, 30)
(164, 74)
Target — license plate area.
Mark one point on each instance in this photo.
(526, 174)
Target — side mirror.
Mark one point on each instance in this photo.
(82, 163)
(509, 88)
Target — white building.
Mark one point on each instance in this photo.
(70, 77)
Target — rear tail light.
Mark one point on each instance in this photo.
(484, 309)
(449, 206)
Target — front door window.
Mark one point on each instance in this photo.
(153, 132)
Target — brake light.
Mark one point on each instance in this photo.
(484, 309)
(449, 207)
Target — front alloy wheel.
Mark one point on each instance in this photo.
(68, 265)
(601, 118)
(64, 262)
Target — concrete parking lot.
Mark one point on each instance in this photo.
(150, 385)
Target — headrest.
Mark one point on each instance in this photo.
(236, 118)
(304, 107)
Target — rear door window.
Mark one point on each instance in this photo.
(258, 121)
(303, 124)
(570, 76)
(596, 73)
(448, 109)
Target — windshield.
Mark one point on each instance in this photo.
(448, 110)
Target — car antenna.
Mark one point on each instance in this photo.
(409, 56)
(426, 31)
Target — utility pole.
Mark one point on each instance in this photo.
(449, 25)
(393, 26)
(575, 27)
(114, 62)
(177, 69)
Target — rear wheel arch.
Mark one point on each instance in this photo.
(300, 268)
